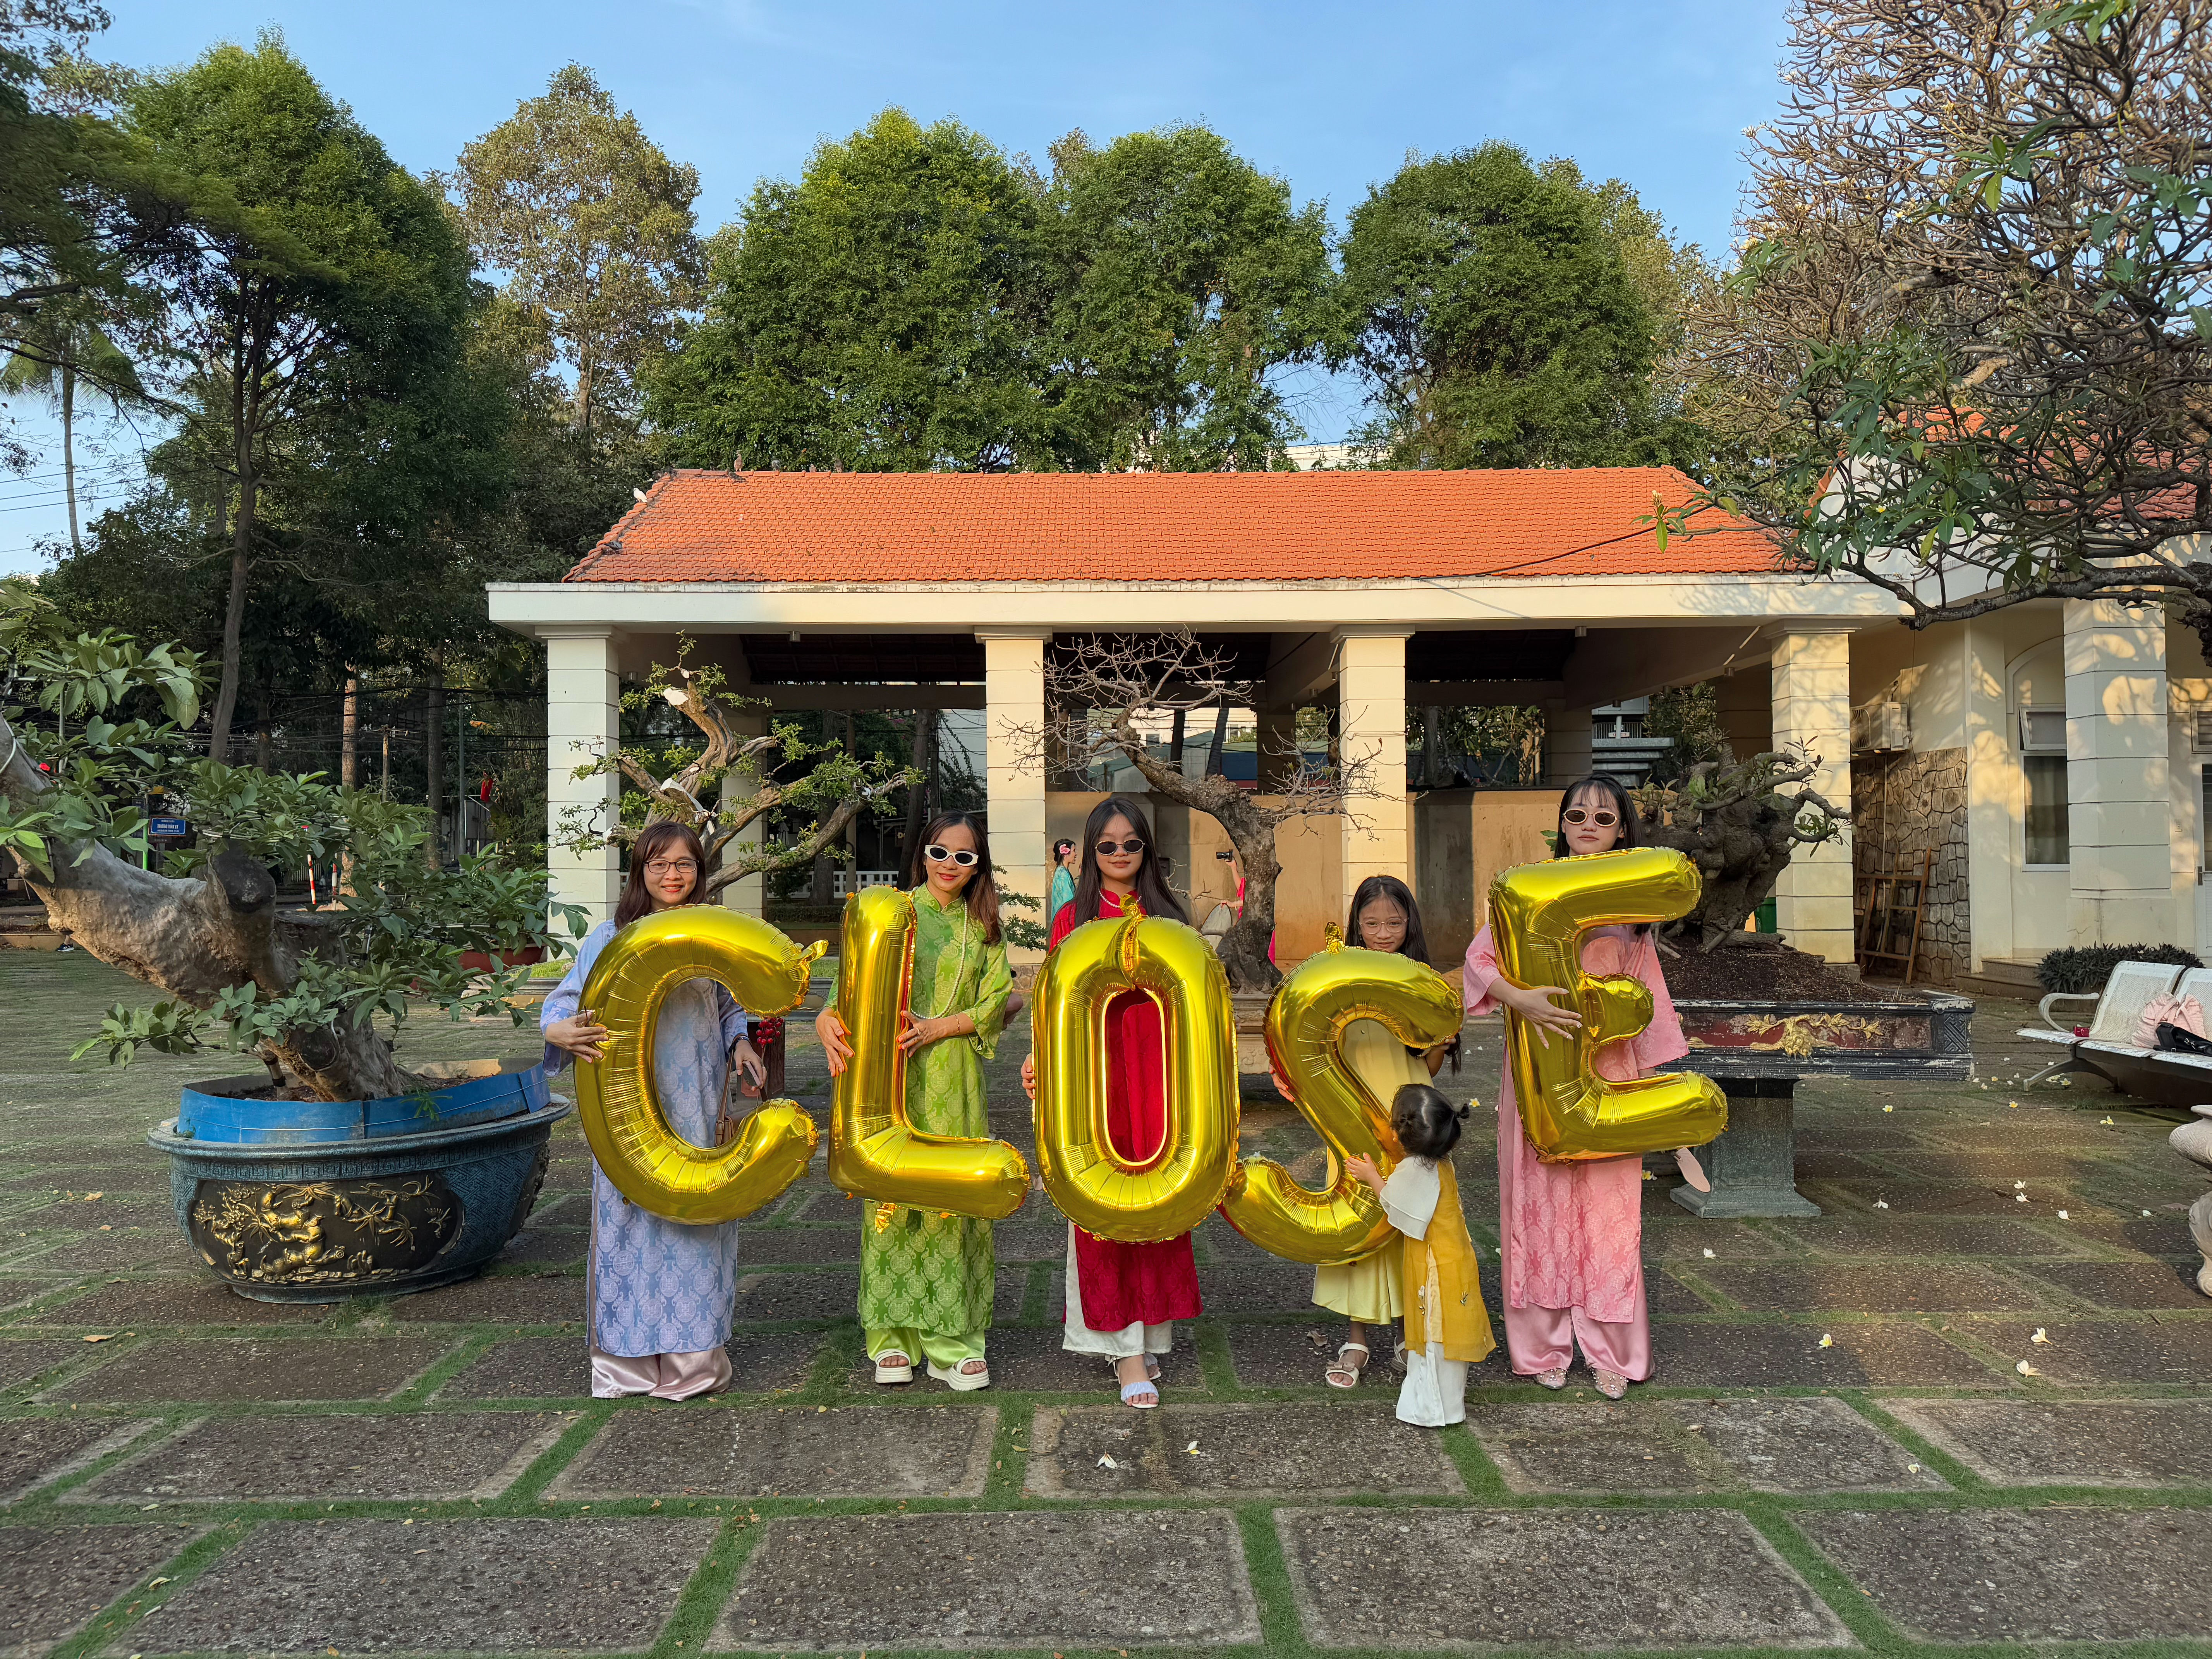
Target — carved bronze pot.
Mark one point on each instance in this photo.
(375, 1214)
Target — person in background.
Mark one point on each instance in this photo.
(1573, 1232)
(1063, 881)
(660, 1294)
(927, 1277)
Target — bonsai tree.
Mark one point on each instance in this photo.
(1740, 824)
(1106, 692)
(93, 729)
(681, 779)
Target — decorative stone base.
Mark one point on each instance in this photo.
(1752, 1166)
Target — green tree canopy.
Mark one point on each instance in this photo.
(1490, 307)
(1184, 278)
(887, 313)
(593, 225)
(318, 324)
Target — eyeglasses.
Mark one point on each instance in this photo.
(1106, 849)
(1603, 819)
(672, 867)
(936, 854)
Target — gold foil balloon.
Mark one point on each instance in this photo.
(1344, 1221)
(1538, 915)
(873, 1150)
(1095, 1183)
(617, 1097)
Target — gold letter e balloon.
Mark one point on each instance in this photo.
(649, 1164)
(1539, 913)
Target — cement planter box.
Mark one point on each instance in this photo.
(1757, 1052)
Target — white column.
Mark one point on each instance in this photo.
(1811, 678)
(2118, 818)
(1013, 765)
(1993, 791)
(582, 710)
(1370, 691)
(748, 893)
(1568, 735)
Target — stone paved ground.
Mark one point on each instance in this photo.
(1839, 1448)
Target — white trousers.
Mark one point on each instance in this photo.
(1126, 1343)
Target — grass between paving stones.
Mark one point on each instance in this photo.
(125, 1104)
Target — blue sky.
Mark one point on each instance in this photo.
(1331, 97)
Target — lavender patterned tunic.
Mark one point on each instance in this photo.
(659, 1287)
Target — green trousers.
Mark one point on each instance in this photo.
(945, 1351)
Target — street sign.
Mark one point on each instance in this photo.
(168, 827)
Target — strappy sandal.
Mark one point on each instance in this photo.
(1145, 1385)
(1694, 1172)
(1556, 1378)
(1611, 1385)
(960, 1378)
(1151, 1367)
(1347, 1371)
(894, 1366)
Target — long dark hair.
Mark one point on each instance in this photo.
(1417, 942)
(1632, 826)
(654, 840)
(982, 893)
(1153, 890)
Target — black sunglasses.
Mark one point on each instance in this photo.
(936, 854)
(1106, 849)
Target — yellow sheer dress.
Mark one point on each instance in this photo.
(1370, 1289)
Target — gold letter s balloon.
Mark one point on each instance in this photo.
(1538, 915)
(617, 1098)
(1305, 1033)
(873, 1150)
(1096, 1185)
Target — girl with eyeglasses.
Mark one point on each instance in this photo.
(1122, 1299)
(927, 1277)
(1573, 1232)
(660, 1293)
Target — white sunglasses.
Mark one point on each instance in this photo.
(936, 854)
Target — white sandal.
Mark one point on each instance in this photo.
(893, 1367)
(1341, 1369)
(960, 1378)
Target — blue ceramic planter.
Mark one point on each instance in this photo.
(318, 1202)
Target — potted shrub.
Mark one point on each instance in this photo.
(334, 1170)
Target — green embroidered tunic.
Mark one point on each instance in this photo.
(929, 1271)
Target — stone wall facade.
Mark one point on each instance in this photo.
(1903, 803)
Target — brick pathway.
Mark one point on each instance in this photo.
(1838, 1448)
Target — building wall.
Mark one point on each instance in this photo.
(1909, 802)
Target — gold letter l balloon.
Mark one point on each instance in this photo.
(1305, 1035)
(1103, 1188)
(617, 1098)
(1538, 915)
(873, 1150)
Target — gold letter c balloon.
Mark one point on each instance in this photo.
(1342, 1222)
(1097, 1185)
(1538, 915)
(873, 1150)
(618, 1100)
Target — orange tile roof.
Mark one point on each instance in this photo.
(706, 526)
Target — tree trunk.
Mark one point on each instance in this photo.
(1213, 756)
(68, 444)
(195, 937)
(241, 564)
(435, 766)
(917, 799)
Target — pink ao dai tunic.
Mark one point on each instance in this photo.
(1574, 1232)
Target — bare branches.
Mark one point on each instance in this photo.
(1739, 825)
(1967, 356)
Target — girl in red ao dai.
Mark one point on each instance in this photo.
(1122, 1299)
(1573, 1232)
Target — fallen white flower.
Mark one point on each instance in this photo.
(1882, 1204)
(1827, 1342)
(1106, 1462)
(2040, 1335)
(2018, 1185)
(2020, 1198)
(1708, 1255)
(1192, 1449)
(2062, 1216)
(2027, 1369)
(1889, 1108)
(2104, 1119)
(1912, 1468)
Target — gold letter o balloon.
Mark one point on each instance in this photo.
(1538, 915)
(873, 1150)
(1344, 1221)
(617, 1099)
(1095, 1183)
